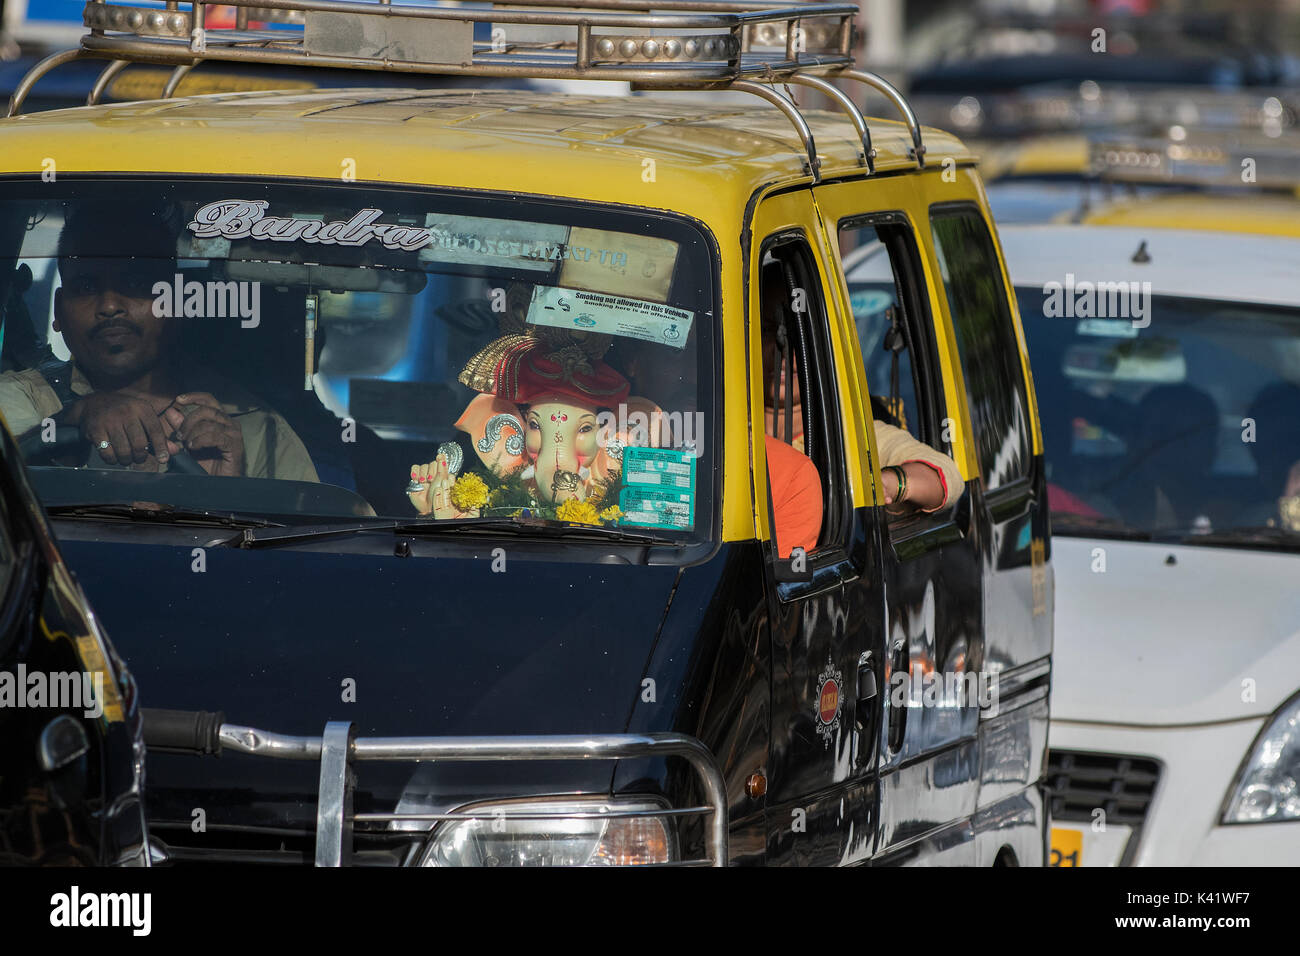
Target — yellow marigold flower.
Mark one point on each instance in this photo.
(612, 513)
(583, 512)
(469, 492)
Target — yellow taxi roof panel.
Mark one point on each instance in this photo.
(591, 147)
(1274, 215)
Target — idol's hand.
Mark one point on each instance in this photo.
(435, 497)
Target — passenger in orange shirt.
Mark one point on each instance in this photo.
(913, 474)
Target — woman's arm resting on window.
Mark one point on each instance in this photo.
(933, 481)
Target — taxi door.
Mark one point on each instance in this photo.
(825, 621)
(929, 714)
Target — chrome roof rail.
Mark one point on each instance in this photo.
(742, 45)
(693, 44)
(106, 77)
(51, 62)
(1200, 158)
(900, 103)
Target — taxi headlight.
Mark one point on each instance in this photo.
(581, 837)
(1268, 788)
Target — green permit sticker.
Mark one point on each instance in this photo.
(658, 488)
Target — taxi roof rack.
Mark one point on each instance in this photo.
(652, 44)
(1199, 159)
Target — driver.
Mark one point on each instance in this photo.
(127, 388)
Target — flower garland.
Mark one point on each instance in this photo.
(511, 494)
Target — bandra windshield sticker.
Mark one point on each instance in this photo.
(658, 488)
(478, 241)
(640, 267)
(247, 219)
(613, 314)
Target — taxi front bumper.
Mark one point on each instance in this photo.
(1181, 825)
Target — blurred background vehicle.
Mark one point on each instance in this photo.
(1167, 369)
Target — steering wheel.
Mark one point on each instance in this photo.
(68, 439)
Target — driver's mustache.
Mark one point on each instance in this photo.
(115, 323)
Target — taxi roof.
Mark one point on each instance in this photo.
(1274, 215)
(707, 158)
(1186, 263)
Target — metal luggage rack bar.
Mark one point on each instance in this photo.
(1201, 159)
(684, 45)
(339, 750)
(690, 43)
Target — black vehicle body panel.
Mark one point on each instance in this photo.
(86, 809)
(436, 644)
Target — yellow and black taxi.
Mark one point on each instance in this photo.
(508, 478)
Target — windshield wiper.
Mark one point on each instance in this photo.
(1086, 526)
(525, 527)
(534, 526)
(1260, 536)
(147, 511)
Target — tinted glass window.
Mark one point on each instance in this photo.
(986, 343)
(799, 399)
(361, 351)
(1189, 426)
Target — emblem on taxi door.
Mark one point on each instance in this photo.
(827, 708)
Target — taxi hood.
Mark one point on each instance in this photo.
(433, 644)
(1170, 634)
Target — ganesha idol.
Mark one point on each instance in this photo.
(543, 418)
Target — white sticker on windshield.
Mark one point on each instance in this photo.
(613, 314)
(475, 240)
(1111, 328)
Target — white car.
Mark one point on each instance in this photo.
(1167, 371)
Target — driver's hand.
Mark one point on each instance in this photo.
(196, 423)
(129, 425)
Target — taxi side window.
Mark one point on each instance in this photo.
(883, 274)
(986, 342)
(799, 397)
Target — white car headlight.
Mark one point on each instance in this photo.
(1268, 788)
(574, 834)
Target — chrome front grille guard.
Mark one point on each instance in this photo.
(339, 750)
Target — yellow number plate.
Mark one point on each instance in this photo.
(1067, 847)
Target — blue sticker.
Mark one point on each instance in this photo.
(658, 488)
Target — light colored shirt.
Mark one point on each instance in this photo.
(897, 447)
(271, 448)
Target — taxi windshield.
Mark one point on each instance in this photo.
(1181, 425)
(337, 351)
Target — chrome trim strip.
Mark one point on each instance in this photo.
(339, 750)
(334, 803)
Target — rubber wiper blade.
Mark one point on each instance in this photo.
(1088, 526)
(295, 534)
(149, 511)
(531, 526)
(1261, 536)
(522, 527)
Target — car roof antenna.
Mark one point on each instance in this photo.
(1142, 255)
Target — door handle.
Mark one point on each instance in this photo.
(901, 663)
(867, 689)
(865, 711)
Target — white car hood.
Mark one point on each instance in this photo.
(1157, 643)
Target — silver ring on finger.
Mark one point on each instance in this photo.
(103, 444)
